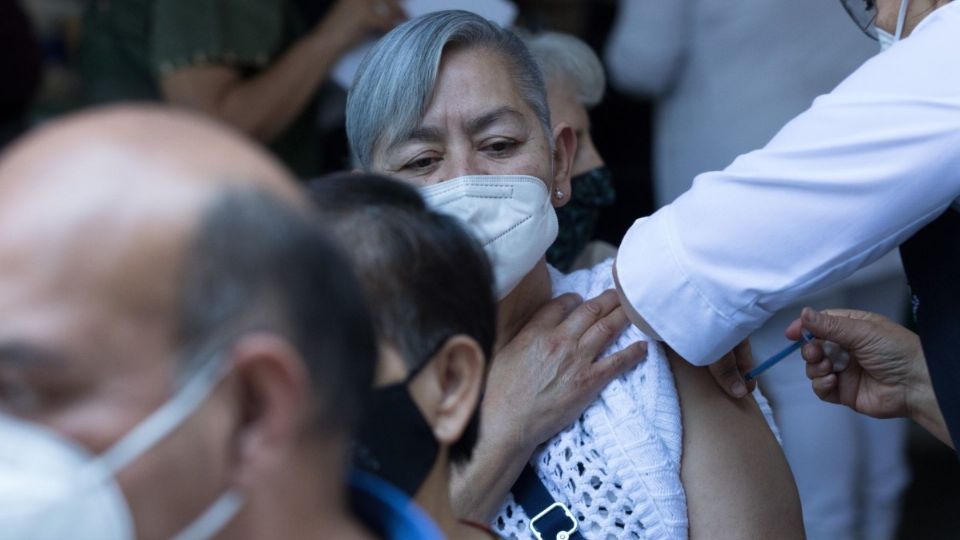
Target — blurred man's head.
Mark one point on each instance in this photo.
(430, 289)
(152, 261)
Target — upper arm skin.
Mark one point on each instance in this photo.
(736, 478)
(199, 87)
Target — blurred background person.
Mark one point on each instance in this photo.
(575, 83)
(725, 81)
(423, 418)
(255, 64)
(171, 360)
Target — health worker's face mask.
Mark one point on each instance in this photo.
(887, 39)
(510, 215)
(51, 488)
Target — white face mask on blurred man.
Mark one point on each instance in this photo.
(52, 488)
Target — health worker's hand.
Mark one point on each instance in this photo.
(886, 375)
(728, 371)
(886, 366)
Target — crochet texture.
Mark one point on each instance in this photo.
(618, 466)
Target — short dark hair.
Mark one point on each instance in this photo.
(426, 276)
(259, 263)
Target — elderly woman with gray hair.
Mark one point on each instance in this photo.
(456, 105)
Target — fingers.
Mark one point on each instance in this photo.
(605, 370)
(836, 326)
(856, 314)
(728, 376)
(554, 312)
(599, 336)
(813, 352)
(819, 369)
(744, 358)
(826, 388)
(794, 329)
(589, 313)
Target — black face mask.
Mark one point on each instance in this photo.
(578, 218)
(395, 442)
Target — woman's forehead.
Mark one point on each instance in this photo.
(472, 83)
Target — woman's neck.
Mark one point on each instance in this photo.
(434, 498)
(516, 310)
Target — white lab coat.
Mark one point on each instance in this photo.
(839, 186)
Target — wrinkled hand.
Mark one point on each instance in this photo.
(545, 377)
(349, 21)
(728, 371)
(886, 363)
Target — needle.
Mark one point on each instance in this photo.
(770, 362)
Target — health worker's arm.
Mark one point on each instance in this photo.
(845, 182)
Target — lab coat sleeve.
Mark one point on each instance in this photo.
(845, 182)
(646, 46)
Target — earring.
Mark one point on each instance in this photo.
(558, 194)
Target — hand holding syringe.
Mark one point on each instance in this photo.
(837, 355)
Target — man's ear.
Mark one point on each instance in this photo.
(448, 390)
(565, 149)
(273, 387)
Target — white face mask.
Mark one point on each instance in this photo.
(51, 488)
(887, 39)
(511, 217)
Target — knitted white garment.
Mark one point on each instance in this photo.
(618, 466)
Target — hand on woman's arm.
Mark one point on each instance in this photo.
(538, 384)
(264, 105)
(737, 481)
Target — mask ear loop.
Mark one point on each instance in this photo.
(161, 423)
(163, 420)
(901, 18)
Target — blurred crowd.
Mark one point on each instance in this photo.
(644, 95)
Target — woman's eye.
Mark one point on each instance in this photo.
(421, 163)
(501, 146)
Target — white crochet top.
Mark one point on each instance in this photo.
(618, 466)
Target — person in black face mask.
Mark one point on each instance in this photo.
(430, 288)
(575, 82)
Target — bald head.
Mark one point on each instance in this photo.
(135, 229)
(140, 146)
(101, 206)
(137, 244)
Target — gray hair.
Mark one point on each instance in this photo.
(568, 59)
(257, 263)
(394, 83)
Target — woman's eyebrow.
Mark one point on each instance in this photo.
(424, 134)
(485, 120)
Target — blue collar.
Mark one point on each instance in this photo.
(388, 511)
